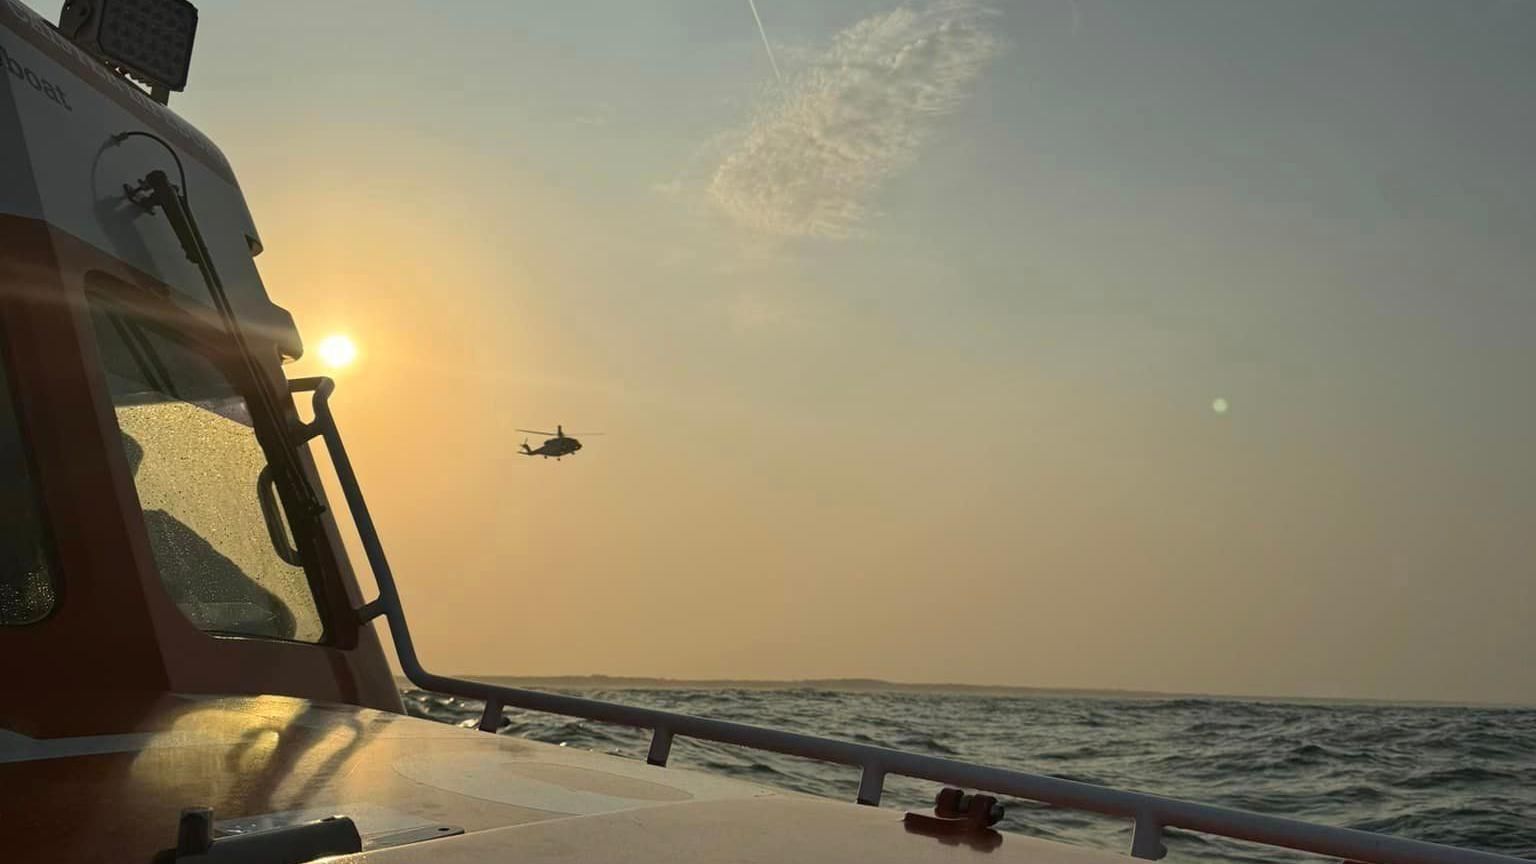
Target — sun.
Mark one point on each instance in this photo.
(337, 351)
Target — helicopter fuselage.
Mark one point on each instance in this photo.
(556, 447)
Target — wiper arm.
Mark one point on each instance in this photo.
(156, 190)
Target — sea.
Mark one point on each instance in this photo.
(1464, 776)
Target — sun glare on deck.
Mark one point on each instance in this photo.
(337, 351)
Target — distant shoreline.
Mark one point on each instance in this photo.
(876, 685)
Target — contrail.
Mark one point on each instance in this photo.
(764, 33)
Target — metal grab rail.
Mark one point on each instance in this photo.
(1150, 813)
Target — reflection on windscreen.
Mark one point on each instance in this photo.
(196, 464)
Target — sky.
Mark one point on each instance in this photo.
(1180, 345)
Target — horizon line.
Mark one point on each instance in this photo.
(855, 684)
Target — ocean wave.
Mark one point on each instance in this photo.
(1458, 777)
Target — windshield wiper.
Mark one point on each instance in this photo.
(156, 190)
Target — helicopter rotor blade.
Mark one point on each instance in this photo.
(536, 432)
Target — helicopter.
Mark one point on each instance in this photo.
(558, 445)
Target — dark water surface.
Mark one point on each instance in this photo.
(1461, 776)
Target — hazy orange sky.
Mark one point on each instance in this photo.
(909, 361)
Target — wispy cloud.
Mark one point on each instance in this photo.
(813, 155)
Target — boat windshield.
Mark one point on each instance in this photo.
(200, 475)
